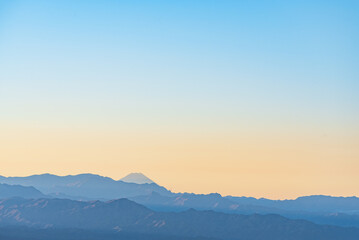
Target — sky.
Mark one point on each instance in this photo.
(245, 98)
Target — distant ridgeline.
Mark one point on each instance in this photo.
(49, 196)
(89, 186)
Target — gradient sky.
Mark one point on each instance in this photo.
(253, 98)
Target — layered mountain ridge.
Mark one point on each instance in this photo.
(85, 186)
(341, 211)
(123, 215)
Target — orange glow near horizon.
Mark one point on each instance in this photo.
(258, 165)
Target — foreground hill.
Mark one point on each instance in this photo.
(24, 233)
(126, 216)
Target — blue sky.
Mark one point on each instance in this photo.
(181, 66)
(249, 55)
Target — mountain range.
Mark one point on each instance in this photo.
(85, 186)
(340, 211)
(125, 216)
